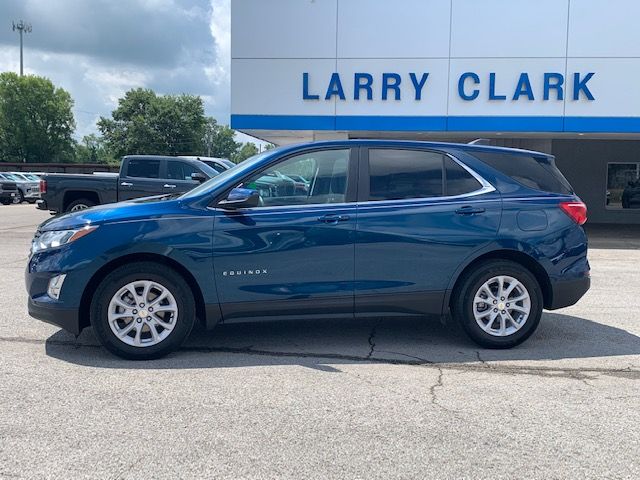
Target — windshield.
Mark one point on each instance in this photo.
(10, 176)
(208, 170)
(222, 178)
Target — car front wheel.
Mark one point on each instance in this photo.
(498, 304)
(142, 311)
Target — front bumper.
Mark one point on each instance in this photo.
(45, 309)
(567, 292)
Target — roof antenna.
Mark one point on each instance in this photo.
(480, 141)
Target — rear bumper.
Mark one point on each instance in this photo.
(48, 312)
(568, 292)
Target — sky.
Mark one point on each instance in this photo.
(99, 49)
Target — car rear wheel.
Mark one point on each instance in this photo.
(19, 198)
(80, 204)
(142, 311)
(498, 304)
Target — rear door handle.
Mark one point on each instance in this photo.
(330, 218)
(469, 210)
(126, 184)
(168, 185)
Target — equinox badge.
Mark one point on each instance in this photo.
(236, 273)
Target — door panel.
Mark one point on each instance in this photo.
(178, 177)
(280, 259)
(141, 179)
(408, 249)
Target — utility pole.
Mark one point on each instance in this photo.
(21, 27)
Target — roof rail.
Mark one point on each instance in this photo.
(480, 141)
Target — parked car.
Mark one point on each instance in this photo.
(140, 176)
(218, 164)
(8, 191)
(28, 190)
(631, 195)
(488, 235)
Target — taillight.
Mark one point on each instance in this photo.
(577, 211)
(43, 186)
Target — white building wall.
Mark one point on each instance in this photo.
(275, 41)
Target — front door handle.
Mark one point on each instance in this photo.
(469, 210)
(330, 218)
(168, 185)
(126, 184)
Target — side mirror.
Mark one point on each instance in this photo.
(199, 177)
(240, 198)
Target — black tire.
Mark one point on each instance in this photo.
(5, 202)
(126, 274)
(19, 198)
(463, 297)
(31, 201)
(81, 202)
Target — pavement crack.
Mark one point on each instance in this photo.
(372, 339)
(420, 359)
(580, 374)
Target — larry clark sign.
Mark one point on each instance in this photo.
(470, 87)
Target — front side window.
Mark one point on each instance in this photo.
(316, 177)
(399, 174)
(143, 168)
(623, 185)
(177, 170)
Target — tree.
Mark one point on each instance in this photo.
(146, 123)
(36, 122)
(247, 150)
(93, 149)
(218, 140)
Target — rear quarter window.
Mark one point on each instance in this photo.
(533, 172)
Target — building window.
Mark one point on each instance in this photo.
(623, 185)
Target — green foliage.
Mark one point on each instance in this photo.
(146, 123)
(247, 150)
(218, 140)
(36, 122)
(93, 149)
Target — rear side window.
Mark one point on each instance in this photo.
(143, 168)
(537, 173)
(398, 174)
(180, 170)
(458, 180)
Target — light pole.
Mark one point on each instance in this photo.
(21, 27)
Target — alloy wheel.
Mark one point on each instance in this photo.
(501, 306)
(142, 313)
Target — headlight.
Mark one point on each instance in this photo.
(57, 238)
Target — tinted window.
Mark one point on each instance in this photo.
(316, 177)
(459, 181)
(623, 185)
(397, 174)
(538, 173)
(177, 170)
(143, 168)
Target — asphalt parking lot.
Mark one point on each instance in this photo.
(382, 398)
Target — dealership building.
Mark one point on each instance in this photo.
(557, 76)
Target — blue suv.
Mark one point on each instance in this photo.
(489, 236)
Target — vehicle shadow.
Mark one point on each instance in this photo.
(321, 343)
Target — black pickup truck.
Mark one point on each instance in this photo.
(140, 176)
